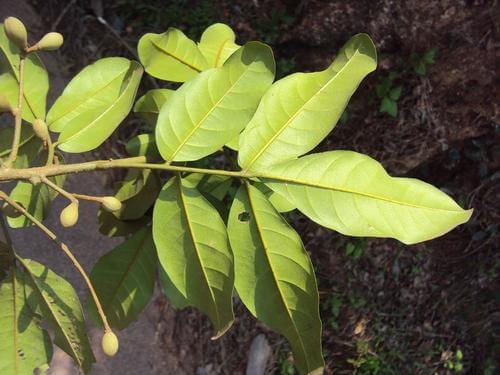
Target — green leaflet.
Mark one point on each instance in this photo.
(24, 345)
(93, 124)
(55, 299)
(221, 102)
(95, 86)
(29, 146)
(148, 106)
(170, 291)
(171, 56)
(217, 44)
(6, 136)
(274, 276)
(279, 201)
(298, 111)
(214, 185)
(36, 199)
(36, 83)
(111, 226)
(193, 250)
(353, 194)
(137, 193)
(124, 280)
(143, 145)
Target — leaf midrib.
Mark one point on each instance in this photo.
(214, 107)
(76, 355)
(91, 95)
(299, 110)
(265, 247)
(349, 191)
(219, 52)
(125, 275)
(195, 246)
(175, 57)
(112, 106)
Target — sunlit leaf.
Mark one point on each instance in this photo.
(56, 300)
(353, 194)
(36, 84)
(221, 102)
(86, 126)
(274, 276)
(217, 43)
(193, 250)
(148, 106)
(298, 111)
(24, 345)
(171, 56)
(124, 280)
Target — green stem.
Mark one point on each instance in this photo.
(58, 189)
(136, 162)
(66, 251)
(18, 116)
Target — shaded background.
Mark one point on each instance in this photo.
(429, 111)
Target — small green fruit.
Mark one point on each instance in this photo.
(111, 204)
(109, 344)
(69, 216)
(16, 32)
(50, 42)
(40, 129)
(10, 211)
(4, 104)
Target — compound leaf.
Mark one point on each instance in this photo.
(274, 276)
(36, 84)
(193, 250)
(24, 345)
(56, 300)
(171, 56)
(217, 44)
(298, 111)
(221, 102)
(353, 194)
(124, 279)
(90, 125)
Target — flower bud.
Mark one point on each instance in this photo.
(111, 204)
(16, 32)
(109, 344)
(40, 129)
(50, 42)
(5, 104)
(69, 216)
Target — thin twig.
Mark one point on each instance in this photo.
(18, 118)
(66, 251)
(58, 189)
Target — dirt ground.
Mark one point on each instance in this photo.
(386, 308)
